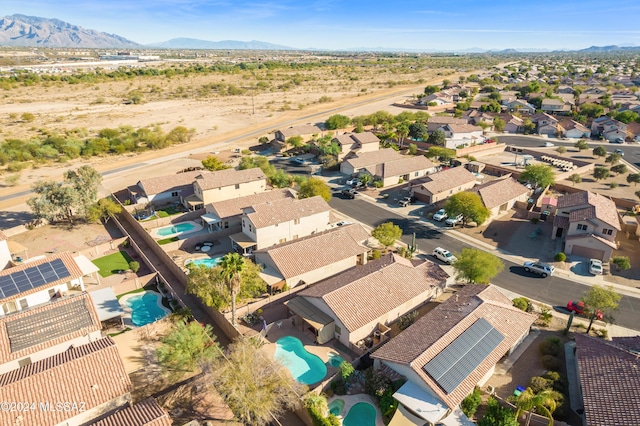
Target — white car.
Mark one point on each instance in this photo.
(595, 267)
(548, 144)
(299, 160)
(343, 223)
(453, 221)
(440, 215)
(444, 255)
(352, 181)
(539, 268)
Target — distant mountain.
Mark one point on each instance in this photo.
(612, 48)
(192, 43)
(21, 30)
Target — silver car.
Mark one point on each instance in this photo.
(539, 268)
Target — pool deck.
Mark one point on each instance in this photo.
(126, 318)
(351, 400)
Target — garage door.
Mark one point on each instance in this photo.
(587, 252)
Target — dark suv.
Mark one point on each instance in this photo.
(349, 193)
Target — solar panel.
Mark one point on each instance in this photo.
(33, 277)
(454, 364)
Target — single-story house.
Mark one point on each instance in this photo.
(545, 124)
(388, 165)
(452, 349)
(163, 189)
(513, 124)
(573, 129)
(555, 106)
(441, 185)
(313, 258)
(520, 106)
(500, 195)
(438, 121)
(359, 299)
(306, 131)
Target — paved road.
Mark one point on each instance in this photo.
(554, 291)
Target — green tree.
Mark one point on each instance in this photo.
(402, 130)
(255, 386)
(499, 124)
(637, 193)
(603, 299)
(575, 178)
(543, 402)
(621, 262)
(387, 233)
(418, 131)
(430, 90)
(366, 179)
(187, 346)
(180, 134)
(619, 169)
(477, 266)
(471, 402)
(591, 110)
(443, 154)
(413, 149)
(600, 173)
(600, 151)
(437, 138)
(231, 267)
(581, 145)
(540, 175)
(263, 140)
(613, 158)
(295, 141)
(469, 205)
(633, 178)
(85, 181)
(529, 127)
(104, 209)
(627, 116)
(337, 121)
(53, 201)
(561, 149)
(314, 186)
(496, 415)
(213, 163)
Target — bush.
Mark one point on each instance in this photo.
(560, 257)
(523, 304)
(346, 370)
(551, 362)
(545, 317)
(601, 332)
(622, 262)
(534, 220)
(407, 319)
(376, 254)
(549, 347)
(561, 149)
(470, 404)
(539, 384)
(134, 266)
(378, 184)
(613, 185)
(338, 387)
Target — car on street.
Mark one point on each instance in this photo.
(618, 140)
(444, 255)
(539, 268)
(352, 181)
(619, 152)
(583, 310)
(349, 193)
(299, 160)
(595, 267)
(440, 215)
(453, 221)
(548, 144)
(404, 202)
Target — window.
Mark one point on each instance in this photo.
(226, 225)
(582, 227)
(250, 228)
(606, 231)
(237, 186)
(416, 173)
(282, 240)
(174, 194)
(243, 224)
(296, 221)
(295, 237)
(338, 330)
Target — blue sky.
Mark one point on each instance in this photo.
(343, 24)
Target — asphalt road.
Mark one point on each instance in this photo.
(551, 290)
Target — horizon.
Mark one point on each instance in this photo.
(409, 25)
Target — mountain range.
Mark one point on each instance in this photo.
(32, 31)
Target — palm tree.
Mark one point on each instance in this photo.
(231, 266)
(543, 402)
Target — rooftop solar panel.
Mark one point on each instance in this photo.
(458, 360)
(33, 277)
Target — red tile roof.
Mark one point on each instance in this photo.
(604, 208)
(144, 413)
(91, 374)
(610, 382)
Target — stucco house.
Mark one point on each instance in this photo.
(545, 124)
(500, 195)
(278, 221)
(225, 184)
(438, 121)
(513, 123)
(392, 286)
(439, 98)
(573, 129)
(555, 106)
(589, 223)
(163, 189)
(453, 348)
(633, 131)
(520, 106)
(313, 258)
(461, 134)
(5, 252)
(441, 185)
(227, 214)
(388, 165)
(608, 128)
(354, 143)
(305, 131)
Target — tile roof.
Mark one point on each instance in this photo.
(303, 129)
(447, 179)
(144, 413)
(372, 158)
(365, 138)
(228, 177)
(610, 382)
(497, 192)
(543, 116)
(569, 124)
(432, 333)
(284, 210)
(318, 250)
(387, 283)
(91, 374)
(561, 221)
(604, 208)
(25, 332)
(443, 119)
(628, 343)
(406, 165)
(3, 236)
(233, 207)
(633, 128)
(160, 184)
(464, 128)
(69, 263)
(551, 101)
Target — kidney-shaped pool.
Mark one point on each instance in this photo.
(305, 367)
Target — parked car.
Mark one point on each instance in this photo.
(618, 140)
(539, 268)
(352, 181)
(349, 193)
(619, 152)
(444, 255)
(453, 221)
(595, 267)
(581, 309)
(404, 202)
(343, 223)
(440, 215)
(299, 160)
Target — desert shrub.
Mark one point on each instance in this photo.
(601, 332)
(534, 220)
(548, 347)
(539, 384)
(407, 319)
(560, 257)
(622, 262)
(545, 317)
(134, 266)
(376, 254)
(523, 304)
(613, 185)
(561, 149)
(551, 362)
(470, 404)
(378, 184)
(558, 381)
(263, 140)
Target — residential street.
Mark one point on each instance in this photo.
(554, 290)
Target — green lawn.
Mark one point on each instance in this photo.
(114, 262)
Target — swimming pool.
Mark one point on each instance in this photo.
(361, 414)
(176, 229)
(336, 406)
(145, 307)
(305, 367)
(335, 360)
(209, 262)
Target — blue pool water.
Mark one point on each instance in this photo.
(361, 414)
(145, 309)
(335, 360)
(305, 367)
(175, 229)
(209, 262)
(336, 406)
